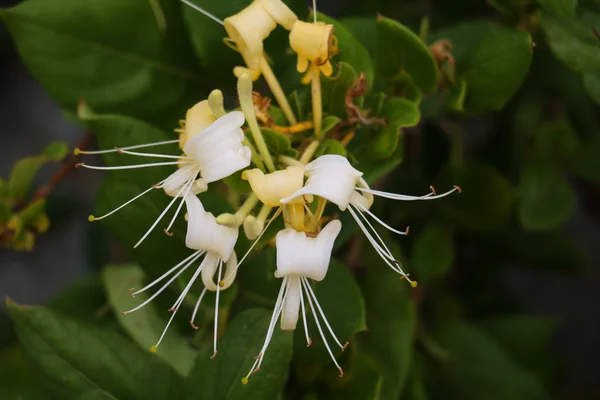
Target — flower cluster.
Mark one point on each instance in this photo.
(214, 146)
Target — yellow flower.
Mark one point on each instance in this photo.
(200, 116)
(248, 28)
(273, 187)
(313, 42)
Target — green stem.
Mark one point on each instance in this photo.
(277, 91)
(245, 97)
(309, 152)
(246, 208)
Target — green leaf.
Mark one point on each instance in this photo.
(330, 146)
(158, 251)
(361, 381)
(585, 161)
(389, 338)
(220, 378)
(76, 358)
(23, 172)
(492, 60)
(432, 252)
(364, 29)
(340, 297)
(144, 326)
(526, 338)
(329, 122)
(400, 51)
(559, 8)
(335, 89)
(546, 199)
(475, 358)
(277, 142)
(350, 50)
(16, 380)
(485, 201)
(236, 183)
(399, 113)
(141, 69)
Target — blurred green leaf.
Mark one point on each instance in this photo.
(335, 89)
(23, 172)
(489, 372)
(559, 8)
(361, 381)
(329, 122)
(277, 142)
(237, 184)
(76, 358)
(93, 51)
(492, 60)
(351, 52)
(525, 337)
(364, 29)
(144, 326)
(399, 50)
(330, 146)
(16, 381)
(432, 252)
(546, 199)
(391, 322)
(220, 378)
(485, 201)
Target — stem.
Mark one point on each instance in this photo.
(317, 102)
(264, 213)
(245, 96)
(256, 160)
(245, 209)
(287, 160)
(310, 150)
(277, 91)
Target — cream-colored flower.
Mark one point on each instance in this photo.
(299, 258)
(333, 178)
(248, 28)
(313, 42)
(271, 188)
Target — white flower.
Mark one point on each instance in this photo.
(211, 153)
(300, 257)
(333, 178)
(216, 243)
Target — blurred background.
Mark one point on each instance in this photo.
(565, 288)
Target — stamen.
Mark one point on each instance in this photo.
(196, 309)
(195, 254)
(364, 209)
(132, 166)
(308, 340)
(188, 286)
(159, 291)
(160, 217)
(139, 146)
(203, 11)
(394, 196)
(315, 10)
(310, 289)
(189, 184)
(92, 218)
(155, 347)
(321, 331)
(135, 153)
(217, 310)
(274, 316)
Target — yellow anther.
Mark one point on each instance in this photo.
(91, 218)
(76, 151)
(414, 284)
(153, 349)
(245, 381)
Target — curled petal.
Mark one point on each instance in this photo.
(291, 304)
(300, 255)
(271, 188)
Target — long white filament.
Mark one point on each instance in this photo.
(308, 340)
(159, 291)
(315, 10)
(203, 11)
(312, 293)
(394, 196)
(303, 280)
(365, 209)
(217, 310)
(187, 191)
(136, 153)
(137, 146)
(133, 166)
(196, 308)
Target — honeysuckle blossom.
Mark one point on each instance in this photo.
(300, 258)
(333, 178)
(213, 241)
(313, 43)
(212, 150)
